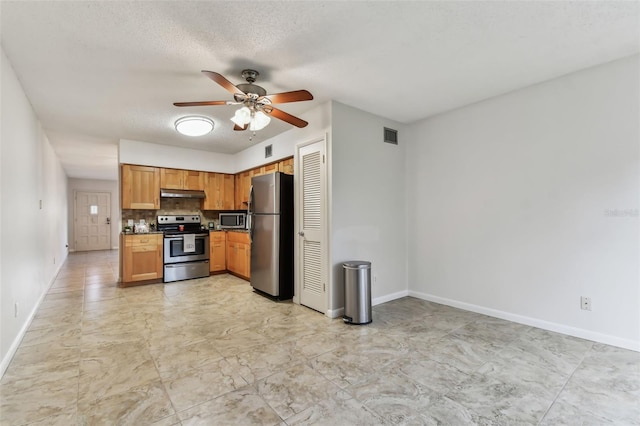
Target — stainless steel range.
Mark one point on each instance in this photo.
(186, 247)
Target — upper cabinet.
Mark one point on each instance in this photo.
(269, 168)
(243, 180)
(243, 184)
(264, 170)
(193, 180)
(140, 187)
(182, 179)
(286, 166)
(219, 191)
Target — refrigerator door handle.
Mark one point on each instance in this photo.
(250, 214)
(250, 201)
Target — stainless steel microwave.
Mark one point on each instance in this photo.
(233, 220)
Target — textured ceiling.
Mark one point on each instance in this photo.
(96, 72)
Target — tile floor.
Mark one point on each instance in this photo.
(212, 352)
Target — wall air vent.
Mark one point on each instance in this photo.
(268, 151)
(390, 136)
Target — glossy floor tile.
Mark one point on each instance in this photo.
(212, 352)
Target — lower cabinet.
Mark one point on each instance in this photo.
(217, 252)
(141, 257)
(239, 254)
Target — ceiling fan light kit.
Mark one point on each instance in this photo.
(256, 111)
(193, 125)
(257, 120)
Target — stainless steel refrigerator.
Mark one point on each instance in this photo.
(270, 224)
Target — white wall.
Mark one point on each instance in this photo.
(368, 202)
(284, 145)
(94, 185)
(511, 203)
(33, 239)
(150, 154)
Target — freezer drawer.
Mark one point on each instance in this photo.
(185, 271)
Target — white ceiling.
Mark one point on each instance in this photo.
(96, 72)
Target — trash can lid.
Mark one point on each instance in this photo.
(357, 264)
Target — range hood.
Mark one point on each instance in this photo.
(181, 193)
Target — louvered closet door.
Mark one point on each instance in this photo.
(312, 222)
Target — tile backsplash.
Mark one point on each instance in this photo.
(169, 206)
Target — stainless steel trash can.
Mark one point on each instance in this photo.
(357, 292)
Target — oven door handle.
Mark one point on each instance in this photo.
(180, 236)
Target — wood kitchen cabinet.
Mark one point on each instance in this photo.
(140, 187)
(141, 258)
(243, 180)
(182, 179)
(286, 166)
(258, 171)
(217, 251)
(242, 186)
(239, 254)
(264, 170)
(269, 168)
(219, 191)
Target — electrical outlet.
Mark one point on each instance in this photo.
(375, 278)
(585, 303)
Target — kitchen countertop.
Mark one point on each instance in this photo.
(141, 233)
(242, 231)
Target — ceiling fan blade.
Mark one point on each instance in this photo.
(203, 103)
(295, 96)
(236, 127)
(284, 116)
(229, 86)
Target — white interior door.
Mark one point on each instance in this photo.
(93, 221)
(312, 221)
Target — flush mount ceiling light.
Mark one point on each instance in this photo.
(194, 125)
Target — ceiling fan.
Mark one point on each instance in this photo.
(257, 106)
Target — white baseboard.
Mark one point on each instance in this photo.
(534, 322)
(335, 313)
(4, 364)
(389, 297)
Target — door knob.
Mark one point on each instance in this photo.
(301, 233)
(108, 221)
